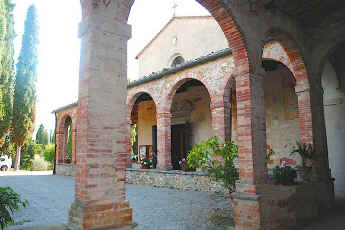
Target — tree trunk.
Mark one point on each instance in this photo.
(17, 161)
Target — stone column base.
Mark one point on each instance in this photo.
(105, 217)
(278, 207)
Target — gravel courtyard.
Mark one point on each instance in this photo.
(153, 208)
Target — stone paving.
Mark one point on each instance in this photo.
(153, 208)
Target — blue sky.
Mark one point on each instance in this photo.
(59, 48)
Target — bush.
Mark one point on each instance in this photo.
(284, 175)
(9, 202)
(49, 154)
(39, 164)
(218, 159)
(146, 163)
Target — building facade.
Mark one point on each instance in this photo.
(266, 102)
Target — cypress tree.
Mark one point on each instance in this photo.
(42, 135)
(6, 67)
(24, 106)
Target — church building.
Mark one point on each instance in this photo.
(186, 94)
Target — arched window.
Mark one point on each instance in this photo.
(177, 61)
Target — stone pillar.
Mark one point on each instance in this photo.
(100, 200)
(221, 122)
(164, 141)
(322, 170)
(251, 136)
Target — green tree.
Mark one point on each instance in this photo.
(49, 154)
(24, 106)
(8, 148)
(29, 150)
(6, 67)
(69, 142)
(42, 135)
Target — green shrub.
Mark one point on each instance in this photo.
(284, 175)
(218, 159)
(39, 164)
(49, 154)
(146, 162)
(9, 202)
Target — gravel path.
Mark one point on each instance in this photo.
(153, 208)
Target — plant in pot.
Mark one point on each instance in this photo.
(185, 166)
(270, 152)
(284, 175)
(217, 159)
(309, 156)
(68, 158)
(146, 163)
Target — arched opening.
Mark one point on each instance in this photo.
(65, 141)
(144, 131)
(177, 61)
(333, 84)
(99, 15)
(281, 111)
(230, 111)
(190, 119)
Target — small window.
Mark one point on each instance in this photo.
(177, 61)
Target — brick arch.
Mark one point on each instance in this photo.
(292, 58)
(61, 137)
(132, 98)
(165, 104)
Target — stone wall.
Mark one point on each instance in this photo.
(65, 169)
(197, 181)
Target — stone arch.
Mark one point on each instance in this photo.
(293, 59)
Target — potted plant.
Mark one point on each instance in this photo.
(270, 152)
(218, 160)
(68, 159)
(185, 166)
(308, 154)
(284, 175)
(146, 163)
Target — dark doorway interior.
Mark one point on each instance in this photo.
(180, 143)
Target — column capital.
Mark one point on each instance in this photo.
(104, 24)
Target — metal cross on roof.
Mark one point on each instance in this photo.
(174, 9)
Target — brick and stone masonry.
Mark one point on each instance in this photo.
(102, 127)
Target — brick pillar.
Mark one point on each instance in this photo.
(221, 122)
(251, 136)
(164, 141)
(304, 114)
(59, 146)
(100, 201)
(74, 137)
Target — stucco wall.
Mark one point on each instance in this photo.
(334, 108)
(199, 117)
(146, 119)
(196, 37)
(197, 113)
(281, 108)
